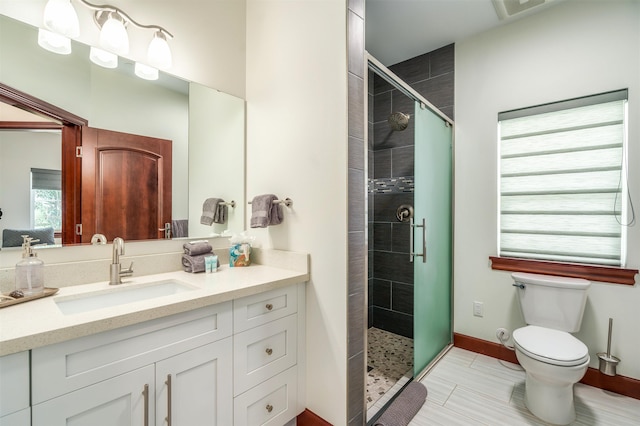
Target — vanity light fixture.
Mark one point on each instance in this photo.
(61, 24)
(145, 71)
(54, 42)
(113, 34)
(103, 58)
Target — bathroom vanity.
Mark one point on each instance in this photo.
(223, 351)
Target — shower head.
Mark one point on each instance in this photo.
(398, 121)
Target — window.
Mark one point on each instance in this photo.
(562, 188)
(46, 198)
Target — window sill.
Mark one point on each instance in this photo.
(589, 272)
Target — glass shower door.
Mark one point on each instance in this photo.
(432, 236)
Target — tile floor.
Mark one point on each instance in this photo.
(469, 389)
(389, 358)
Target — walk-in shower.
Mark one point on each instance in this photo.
(409, 228)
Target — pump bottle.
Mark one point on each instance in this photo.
(30, 270)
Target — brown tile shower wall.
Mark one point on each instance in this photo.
(391, 170)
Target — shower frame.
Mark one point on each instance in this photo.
(382, 71)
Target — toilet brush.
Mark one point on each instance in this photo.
(608, 362)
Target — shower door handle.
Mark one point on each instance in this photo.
(413, 254)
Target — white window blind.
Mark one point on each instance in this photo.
(561, 177)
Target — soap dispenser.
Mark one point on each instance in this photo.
(30, 270)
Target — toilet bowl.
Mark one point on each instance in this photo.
(553, 361)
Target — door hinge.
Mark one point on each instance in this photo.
(78, 151)
(78, 229)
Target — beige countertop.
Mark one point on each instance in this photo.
(40, 322)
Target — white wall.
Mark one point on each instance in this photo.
(574, 49)
(297, 148)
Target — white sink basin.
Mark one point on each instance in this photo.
(119, 295)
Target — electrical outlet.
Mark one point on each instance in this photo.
(478, 309)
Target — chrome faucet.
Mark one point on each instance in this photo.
(116, 272)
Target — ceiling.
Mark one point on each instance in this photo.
(397, 30)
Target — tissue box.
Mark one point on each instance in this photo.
(240, 254)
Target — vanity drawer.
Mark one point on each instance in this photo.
(263, 352)
(67, 366)
(14, 391)
(270, 403)
(261, 308)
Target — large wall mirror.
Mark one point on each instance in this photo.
(205, 127)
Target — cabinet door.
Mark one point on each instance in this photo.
(195, 388)
(14, 391)
(19, 418)
(120, 401)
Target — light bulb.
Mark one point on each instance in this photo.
(103, 58)
(159, 53)
(113, 36)
(60, 17)
(53, 42)
(146, 72)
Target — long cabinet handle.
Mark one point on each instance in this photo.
(145, 393)
(168, 383)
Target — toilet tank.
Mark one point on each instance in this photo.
(550, 301)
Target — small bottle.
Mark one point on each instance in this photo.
(30, 270)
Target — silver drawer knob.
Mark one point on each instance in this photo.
(269, 351)
(269, 408)
(269, 306)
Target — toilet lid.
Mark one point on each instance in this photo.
(551, 346)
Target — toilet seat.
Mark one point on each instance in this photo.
(551, 346)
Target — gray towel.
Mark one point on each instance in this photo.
(265, 212)
(213, 211)
(179, 228)
(195, 264)
(405, 406)
(194, 248)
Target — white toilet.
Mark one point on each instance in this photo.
(553, 359)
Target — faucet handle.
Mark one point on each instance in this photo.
(127, 272)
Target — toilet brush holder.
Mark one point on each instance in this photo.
(608, 362)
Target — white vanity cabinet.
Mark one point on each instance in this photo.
(14, 390)
(265, 345)
(179, 366)
(233, 363)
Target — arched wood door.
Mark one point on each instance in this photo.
(126, 185)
